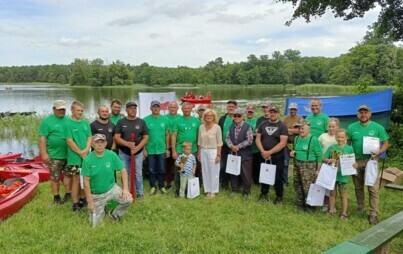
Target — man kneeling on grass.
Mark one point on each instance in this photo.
(99, 182)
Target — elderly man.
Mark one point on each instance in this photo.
(290, 120)
(99, 182)
(239, 141)
(225, 122)
(169, 162)
(103, 125)
(184, 129)
(271, 139)
(53, 149)
(131, 135)
(252, 121)
(317, 119)
(358, 134)
(156, 149)
(200, 111)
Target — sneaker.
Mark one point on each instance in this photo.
(264, 198)
(82, 202)
(153, 191)
(67, 197)
(57, 200)
(163, 190)
(76, 207)
(325, 208)
(360, 210)
(373, 219)
(139, 196)
(278, 201)
(168, 187)
(112, 216)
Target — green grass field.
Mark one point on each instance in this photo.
(164, 224)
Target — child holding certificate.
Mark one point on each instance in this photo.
(332, 156)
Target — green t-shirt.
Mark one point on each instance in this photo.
(79, 133)
(101, 170)
(186, 130)
(115, 118)
(346, 149)
(227, 123)
(357, 132)
(252, 123)
(54, 129)
(157, 128)
(318, 123)
(171, 121)
(301, 146)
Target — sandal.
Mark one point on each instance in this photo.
(344, 216)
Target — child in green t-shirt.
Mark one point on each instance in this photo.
(332, 155)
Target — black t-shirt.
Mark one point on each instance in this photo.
(260, 120)
(270, 134)
(126, 127)
(107, 129)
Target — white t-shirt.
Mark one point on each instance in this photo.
(326, 140)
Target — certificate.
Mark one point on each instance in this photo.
(346, 164)
(370, 144)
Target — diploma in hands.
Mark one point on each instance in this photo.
(370, 144)
(346, 164)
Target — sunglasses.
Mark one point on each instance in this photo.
(237, 115)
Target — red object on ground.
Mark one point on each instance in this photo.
(132, 172)
(21, 169)
(19, 197)
(6, 158)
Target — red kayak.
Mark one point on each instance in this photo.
(21, 169)
(19, 196)
(5, 158)
(197, 100)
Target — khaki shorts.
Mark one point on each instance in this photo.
(56, 167)
(72, 170)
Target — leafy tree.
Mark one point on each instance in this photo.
(389, 22)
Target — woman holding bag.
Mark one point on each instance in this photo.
(209, 152)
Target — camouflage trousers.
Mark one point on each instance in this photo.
(304, 175)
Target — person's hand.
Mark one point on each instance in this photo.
(134, 150)
(167, 153)
(82, 153)
(174, 155)
(91, 206)
(45, 158)
(292, 153)
(145, 152)
(198, 157)
(130, 144)
(217, 159)
(125, 195)
(355, 165)
(332, 161)
(234, 149)
(266, 155)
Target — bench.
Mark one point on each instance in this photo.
(374, 240)
(394, 186)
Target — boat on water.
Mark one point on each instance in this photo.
(345, 107)
(20, 196)
(197, 100)
(20, 167)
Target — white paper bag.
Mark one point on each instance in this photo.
(267, 173)
(327, 177)
(371, 172)
(316, 195)
(193, 187)
(233, 165)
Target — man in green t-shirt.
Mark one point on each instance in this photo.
(156, 149)
(366, 129)
(78, 138)
(184, 129)
(317, 119)
(53, 149)
(172, 116)
(252, 121)
(116, 107)
(99, 182)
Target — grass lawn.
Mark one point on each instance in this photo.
(164, 224)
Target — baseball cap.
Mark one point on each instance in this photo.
(131, 103)
(201, 107)
(238, 111)
(265, 104)
(293, 105)
(59, 104)
(99, 136)
(233, 102)
(274, 108)
(363, 107)
(155, 103)
(301, 123)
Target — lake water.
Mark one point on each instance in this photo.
(39, 98)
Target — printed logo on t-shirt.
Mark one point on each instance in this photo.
(108, 165)
(371, 132)
(305, 147)
(137, 127)
(193, 124)
(109, 129)
(270, 130)
(319, 123)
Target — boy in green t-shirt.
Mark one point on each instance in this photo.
(332, 155)
(99, 182)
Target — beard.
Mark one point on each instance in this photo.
(103, 118)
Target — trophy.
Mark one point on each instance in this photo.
(336, 156)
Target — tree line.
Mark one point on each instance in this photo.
(371, 62)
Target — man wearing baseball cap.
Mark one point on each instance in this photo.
(252, 121)
(358, 133)
(289, 120)
(53, 149)
(99, 181)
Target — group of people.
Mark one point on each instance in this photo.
(179, 147)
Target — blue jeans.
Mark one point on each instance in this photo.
(156, 167)
(139, 169)
(286, 163)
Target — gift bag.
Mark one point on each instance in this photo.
(327, 176)
(193, 187)
(267, 173)
(316, 195)
(233, 165)
(371, 172)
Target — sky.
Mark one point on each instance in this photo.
(165, 33)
